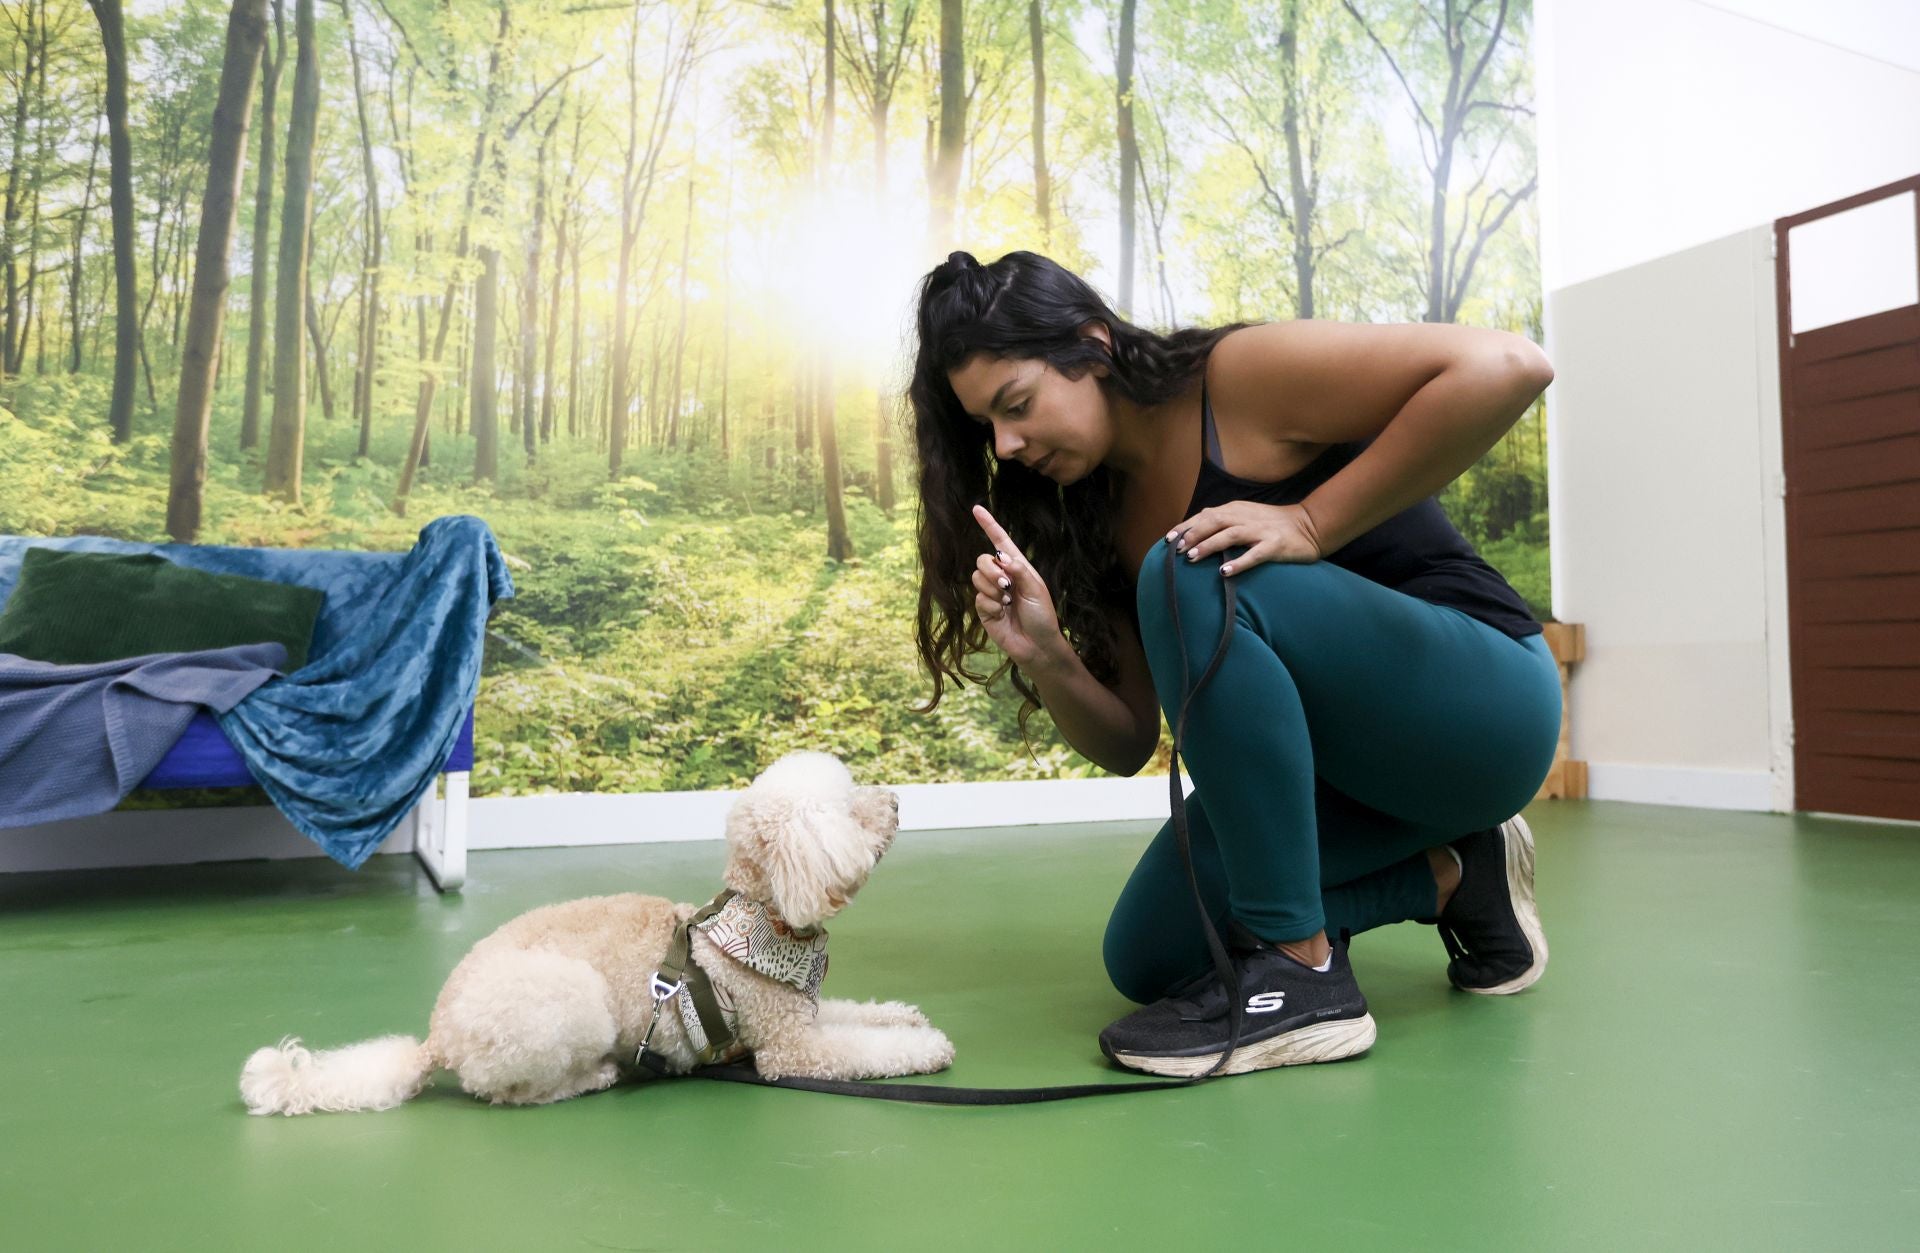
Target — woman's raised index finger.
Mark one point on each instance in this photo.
(995, 532)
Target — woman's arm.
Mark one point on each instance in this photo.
(1435, 396)
(1446, 427)
(1115, 728)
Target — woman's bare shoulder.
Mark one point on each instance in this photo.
(1308, 381)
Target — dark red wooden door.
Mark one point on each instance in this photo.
(1850, 408)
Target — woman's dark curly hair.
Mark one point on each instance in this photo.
(1023, 306)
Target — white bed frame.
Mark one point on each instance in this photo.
(440, 831)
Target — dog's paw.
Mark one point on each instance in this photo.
(932, 1051)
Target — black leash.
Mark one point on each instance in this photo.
(926, 1094)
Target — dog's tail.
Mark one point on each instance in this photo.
(373, 1074)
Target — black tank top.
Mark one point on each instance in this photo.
(1417, 551)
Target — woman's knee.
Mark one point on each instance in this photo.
(1196, 593)
(1200, 600)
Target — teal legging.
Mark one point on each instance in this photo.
(1348, 728)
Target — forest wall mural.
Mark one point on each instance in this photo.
(633, 282)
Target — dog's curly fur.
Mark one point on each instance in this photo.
(555, 1002)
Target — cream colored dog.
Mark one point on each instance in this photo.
(555, 1003)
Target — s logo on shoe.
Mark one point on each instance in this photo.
(1266, 1002)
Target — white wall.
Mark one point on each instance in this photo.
(1671, 134)
(1668, 123)
(1667, 525)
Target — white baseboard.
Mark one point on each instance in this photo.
(166, 837)
(593, 818)
(161, 837)
(1751, 790)
(178, 836)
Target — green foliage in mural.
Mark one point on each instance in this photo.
(616, 279)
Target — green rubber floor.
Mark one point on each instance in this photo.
(1725, 1054)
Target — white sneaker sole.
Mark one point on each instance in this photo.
(1518, 839)
(1316, 1042)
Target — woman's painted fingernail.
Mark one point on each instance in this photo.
(1004, 583)
(1180, 546)
(1226, 569)
(1193, 556)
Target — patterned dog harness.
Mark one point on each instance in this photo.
(750, 934)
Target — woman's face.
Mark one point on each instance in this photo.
(1057, 426)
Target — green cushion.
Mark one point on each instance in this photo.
(77, 607)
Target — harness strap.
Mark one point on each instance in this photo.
(741, 1072)
(678, 969)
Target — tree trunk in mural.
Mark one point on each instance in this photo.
(574, 346)
(1129, 155)
(653, 404)
(319, 338)
(430, 375)
(565, 230)
(1294, 56)
(1302, 194)
(178, 284)
(167, 170)
(287, 438)
(1158, 193)
(16, 170)
(944, 187)
(226, 155)
(33, 312)
(260, 276)
(126, 321)
(680, 334)
(1042, 181)
(839, 543)
(485, 403)
(530, 299)
(483, 379)
(636, 188)
(726, 315)
(483, 399)
(77, 271)
(630, 216)
(1449, 277)
(883, 401)
(34, 51)
(876, 55)
(367, 352)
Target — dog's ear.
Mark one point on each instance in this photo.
(815, 860)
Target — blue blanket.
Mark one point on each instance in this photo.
(75, 740)
(348, 744)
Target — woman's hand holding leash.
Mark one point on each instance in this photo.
(1013, 602)
(1283, 533)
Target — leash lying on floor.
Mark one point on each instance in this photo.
(743, 1072)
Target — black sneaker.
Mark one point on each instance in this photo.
(1291, 1015)
(1491, 926)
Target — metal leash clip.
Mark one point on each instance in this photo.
(662, 992)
